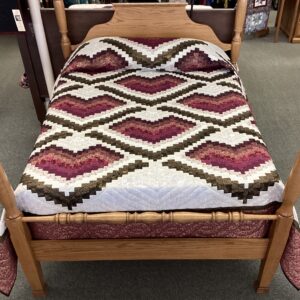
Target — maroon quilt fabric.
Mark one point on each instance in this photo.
(53, 231)
(290, 261)
(8, 265)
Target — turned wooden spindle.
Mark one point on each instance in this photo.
(292, 191)
(241, 9)
(60, 14)
(7, 197)
(149, 217)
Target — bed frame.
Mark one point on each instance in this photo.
(163, 20)
(159, 20)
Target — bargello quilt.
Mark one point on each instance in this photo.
(149, 125)
(139, 125)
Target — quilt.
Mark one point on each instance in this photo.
(137, 125)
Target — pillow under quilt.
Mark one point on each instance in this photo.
(183, 55)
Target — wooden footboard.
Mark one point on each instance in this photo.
(269, 250)
(150, 249)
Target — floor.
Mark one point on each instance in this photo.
(270, 73)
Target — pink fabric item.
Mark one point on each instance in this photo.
(290, 261)
(8, 265)
(53, 231)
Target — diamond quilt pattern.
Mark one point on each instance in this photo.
(159, 124)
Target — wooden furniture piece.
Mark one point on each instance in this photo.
(130, 20)
(269, 250)
(288, 20)
(28, 50)
(32, 64)
(7, 22)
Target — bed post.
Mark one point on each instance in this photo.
(280, 229)
(20, 237)
(239, 22)
(60, 13)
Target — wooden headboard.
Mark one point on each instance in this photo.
(153, 20)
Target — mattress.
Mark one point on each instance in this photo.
(148, 125)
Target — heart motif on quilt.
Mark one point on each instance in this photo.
(83, 108)
(240, 158)
(197, 60)
(151, 85)
(68, 164)
(104, 61)
(217, 104)
(153, 131)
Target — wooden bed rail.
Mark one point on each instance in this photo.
(148, 217)
(148, 20)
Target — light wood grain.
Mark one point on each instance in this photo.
(149, 217)
(20, 237)
(150, 249)
(288, 20)
(291, 191)
(63, 28)
(241, 10)
(296, 39)
(280, 230)
(278, 19)
(7, 197)
(278, 238)
(164, 20)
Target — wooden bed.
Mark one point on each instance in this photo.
(149, 20)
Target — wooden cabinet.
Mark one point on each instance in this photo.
(7, 22)
(290, 23)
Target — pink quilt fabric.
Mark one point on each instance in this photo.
(8, 265)
(290, 261)
(53, 231)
